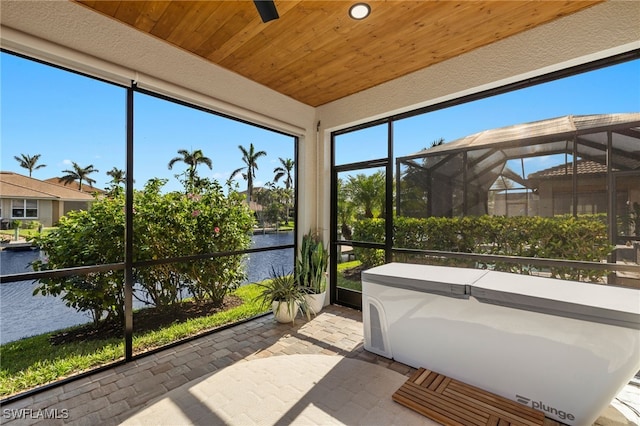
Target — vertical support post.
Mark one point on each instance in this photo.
(429, 194)
(296, 156)
(388, 219)
(611, 191)
(333, 231)
(611, 213)
(398, 187)
(574, 178)
(465, 202)
(526, 189)
(128, 233)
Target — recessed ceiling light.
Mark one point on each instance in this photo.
(359, 11)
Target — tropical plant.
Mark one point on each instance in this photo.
(284, 171)
(86, 238)
(368, 193)
(437, 142)
(118, 177)
(250, 158)
(166, 225)
(311, 265)
(559, 237)
(346, 210)
(414, 186)
(192, 159)
(28, 162)
(79, 174)
(634, 218)
(281, 288)
(275, 203)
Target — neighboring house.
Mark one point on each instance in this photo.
(25, 198)
(554, 187)
(550, 192)
(459, 175)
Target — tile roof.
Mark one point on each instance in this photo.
(14, 185)
(76, 185)
(585, 167)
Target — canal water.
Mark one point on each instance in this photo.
(22, 314)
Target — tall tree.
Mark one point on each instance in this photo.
(368, 193)
(192, 159)
(80, 174)
(284, 171)
(117, 176)
(250, 158)
(28, 162)
(345, 210)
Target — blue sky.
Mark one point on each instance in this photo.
(611, 90)
(66, 117)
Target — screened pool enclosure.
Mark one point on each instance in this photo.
(583, 165)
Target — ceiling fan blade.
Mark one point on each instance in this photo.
(266, 9)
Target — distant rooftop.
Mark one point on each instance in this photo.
(15, 185)
(584, 167)
(75, 185)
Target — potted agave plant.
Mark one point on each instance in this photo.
(310, 272)
(284, 294)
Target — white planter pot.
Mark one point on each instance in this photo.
(315, 302)
(285, 312)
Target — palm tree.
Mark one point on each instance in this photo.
(28, 162)
(437, 142)
(250, 158)
(284, 170)
(368, 192)
(345, 210)
(80, 174)
(191, 159)
(117, 176)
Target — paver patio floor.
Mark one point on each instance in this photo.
(259, 372)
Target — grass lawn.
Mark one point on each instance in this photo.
(24, 233)
(286, 227)
(343, 281)
(34, 361)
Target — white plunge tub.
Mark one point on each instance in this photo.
(565, 348)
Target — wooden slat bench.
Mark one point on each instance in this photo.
(452, 402)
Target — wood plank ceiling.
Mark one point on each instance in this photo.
(315, 53)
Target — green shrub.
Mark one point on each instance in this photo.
(568, 238)
(369, 230)
(165, 225)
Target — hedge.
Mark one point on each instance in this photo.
(568, 238)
